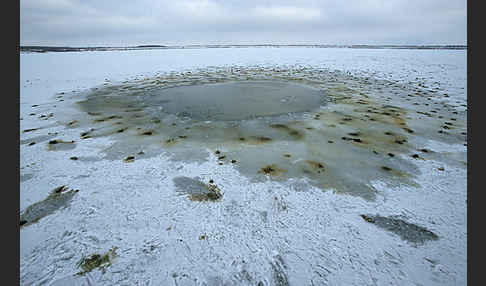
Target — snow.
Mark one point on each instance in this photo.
(269, 231)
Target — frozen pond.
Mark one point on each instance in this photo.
(244, 167)
(237, 100)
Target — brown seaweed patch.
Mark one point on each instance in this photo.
(292, 132)
(87, 134)
(357, 140)
(296, 134)
(280, 126)
(108, 118)
(57, 141)
(408, 130)
(272, 170)
(129, 159)
(400, 141)
(258, 139)
(93, 261)
(72, 123)
(316, 165)
(394, 172)
(147, 133)
(59, 144)
(170, 141)
(30, 130)
(386, 168)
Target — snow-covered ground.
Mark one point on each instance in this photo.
(261, 232)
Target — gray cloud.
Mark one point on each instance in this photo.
(123, 23)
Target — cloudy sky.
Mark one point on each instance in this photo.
(186, 22)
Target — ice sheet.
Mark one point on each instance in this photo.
(289, 231)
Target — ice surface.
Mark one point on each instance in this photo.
(236, 100)
(389, 141)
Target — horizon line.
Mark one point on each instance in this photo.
(262, 44)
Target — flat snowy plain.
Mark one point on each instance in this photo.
(264, 232)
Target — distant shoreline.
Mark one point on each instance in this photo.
(44, 49)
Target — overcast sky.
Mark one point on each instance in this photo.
(185, 22)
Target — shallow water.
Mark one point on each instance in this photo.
(334, 129)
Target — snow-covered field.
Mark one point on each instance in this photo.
(403, 224)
